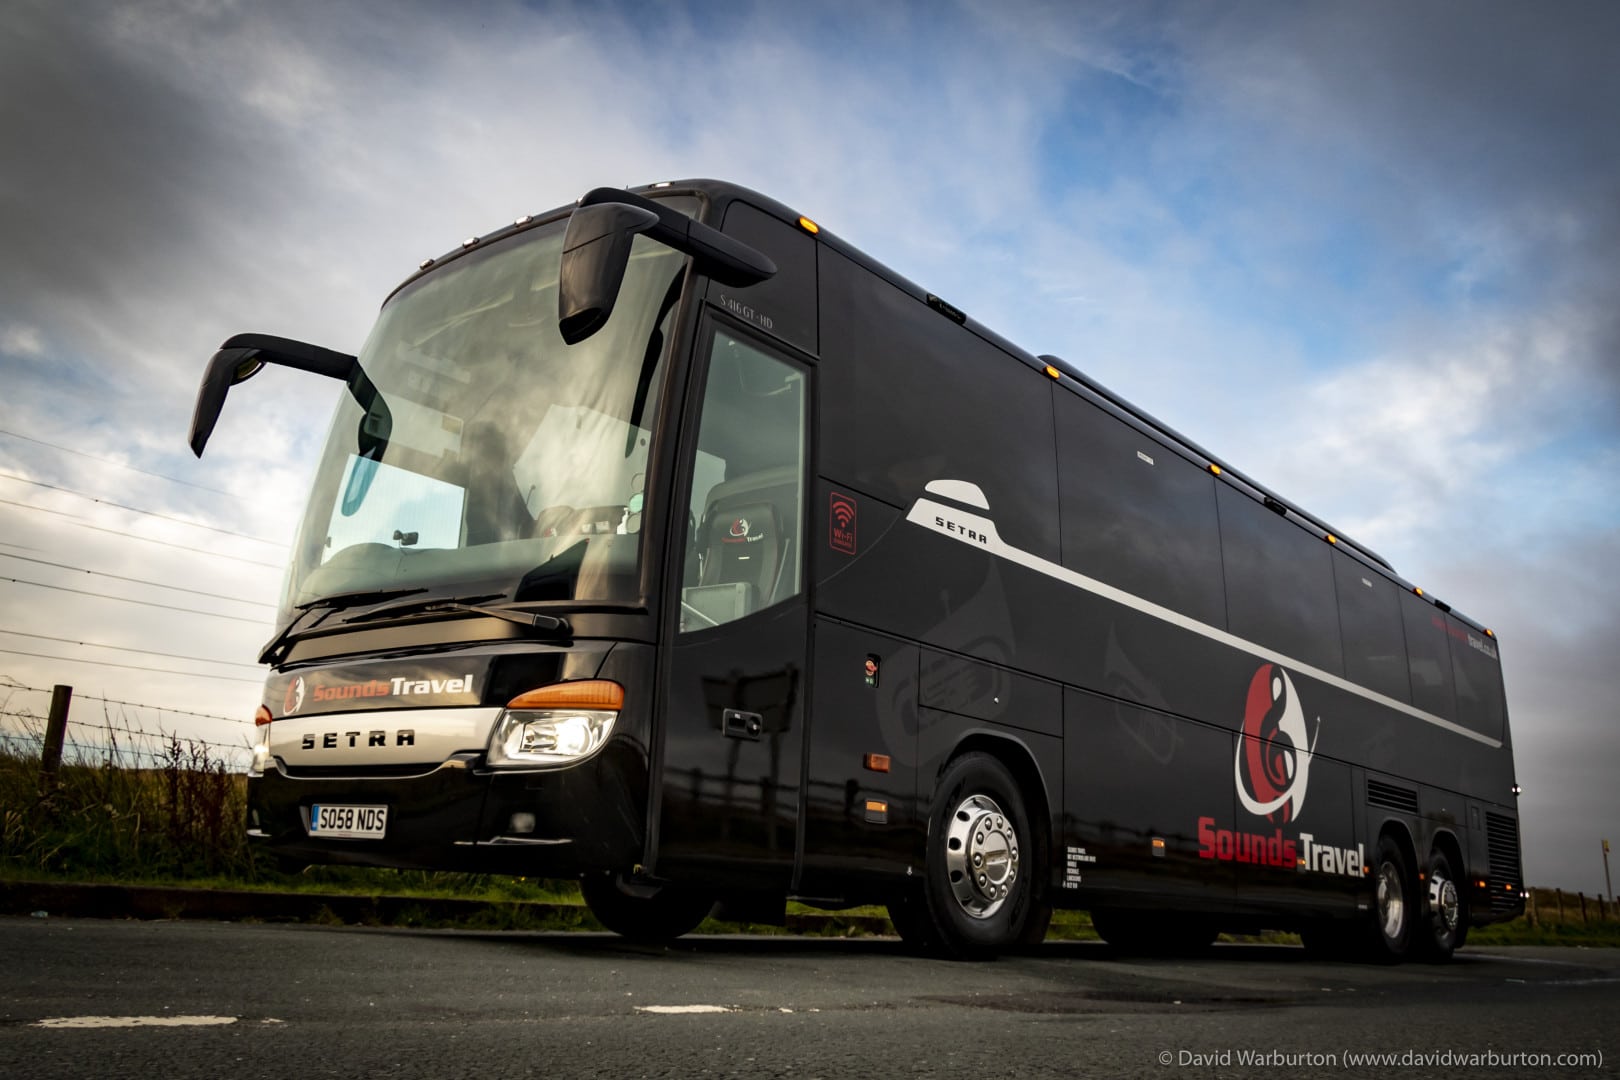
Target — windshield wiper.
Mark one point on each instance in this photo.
(550, 624)
(325, 606)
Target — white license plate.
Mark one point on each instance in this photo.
(355, 822)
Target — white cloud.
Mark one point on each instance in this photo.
(19, 339)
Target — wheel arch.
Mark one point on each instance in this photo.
(1445, 841)
(1398, 831)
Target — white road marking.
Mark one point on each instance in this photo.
(669, 1010)
(132, 1021)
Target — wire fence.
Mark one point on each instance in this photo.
(129, 735)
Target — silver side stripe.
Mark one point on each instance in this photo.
(980, 532)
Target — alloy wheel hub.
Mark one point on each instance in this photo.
(981, 856)
(1443, 901)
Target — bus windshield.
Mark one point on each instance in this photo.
(478, 451)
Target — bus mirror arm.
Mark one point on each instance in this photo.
(596, 251)
(243, 356)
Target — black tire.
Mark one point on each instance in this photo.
(1036, 925)
(979, 893)
(1395, 911)
(909, 914)
(648, 914)
(1444, 927)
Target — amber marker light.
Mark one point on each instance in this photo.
(583, 694)
(1054, 372)
(262, 717)
(1214, 469)
(1417, 590)
(1332, 539)
(877, 762)
(809, 226)
(1488, 632)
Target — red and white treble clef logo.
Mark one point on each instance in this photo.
(1273, 762)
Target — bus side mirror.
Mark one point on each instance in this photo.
(243, 356)
(596, 250)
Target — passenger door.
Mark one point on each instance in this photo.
(736, 672)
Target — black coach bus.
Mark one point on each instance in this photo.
(668, 542)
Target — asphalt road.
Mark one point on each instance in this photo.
(239, 1000)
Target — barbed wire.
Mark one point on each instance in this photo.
(8, 681)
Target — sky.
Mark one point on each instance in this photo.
(1363, 251)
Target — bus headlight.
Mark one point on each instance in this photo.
(555, 725)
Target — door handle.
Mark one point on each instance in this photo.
(742, 725)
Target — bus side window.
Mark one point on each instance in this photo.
(745, 551)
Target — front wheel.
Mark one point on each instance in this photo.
(979, 893)
(649, 914)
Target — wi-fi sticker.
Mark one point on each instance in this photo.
(841, 528)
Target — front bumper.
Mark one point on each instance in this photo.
(459, 816)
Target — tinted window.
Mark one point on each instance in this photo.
(1370, 625)
(744, 550)
(1428, 656)
(1137, 515)
(1478, 672)
(908, 396)
(1279, 583)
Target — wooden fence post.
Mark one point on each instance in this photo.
(1583, 905)
(50, 758)
(1559, 893)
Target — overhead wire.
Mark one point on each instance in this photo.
(140, 510)
(120, 464)
(132, 667)
(88, 524)
(137, 581)
(127, 648)
(130, 600)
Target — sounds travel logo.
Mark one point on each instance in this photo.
(1273, 762)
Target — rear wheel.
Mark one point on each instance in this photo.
(1445, 926)
(978, 894)
(646, 913)
(1395, 911)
